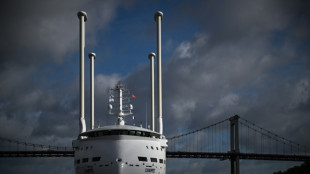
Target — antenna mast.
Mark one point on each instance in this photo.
(158, 17)
(119, 103)
(83, 18)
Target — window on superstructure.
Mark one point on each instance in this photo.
(85, 160)
(104, 133)
(124, 132)
(161, 161)
(132, 132)
(138, 133)
(100, 134)
(147, 134)
(154, 135)
(77, 161)
(114, 132)
(120, 132)
(142, 158)
(96, 159)
(154, 160)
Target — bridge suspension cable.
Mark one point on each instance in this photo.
(252, 139)
(233, 138)
(256, 139)
(14, 148)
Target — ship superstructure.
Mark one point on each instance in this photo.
(120, 148)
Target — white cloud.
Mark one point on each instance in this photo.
(229, 100)
(105, 82)
(183, 50)
(187, 49)
(182, 109)
(300, 94)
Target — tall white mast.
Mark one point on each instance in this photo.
(158, 17)
(83, 18)
(151, 57)
(92, 57)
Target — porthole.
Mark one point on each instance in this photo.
(141, 158)
(85, 160)
(154, 160)
(96, 159)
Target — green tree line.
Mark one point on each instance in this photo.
(302, 169)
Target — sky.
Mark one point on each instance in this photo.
(220, 58)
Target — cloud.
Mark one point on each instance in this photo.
(49, 28)
(235, 59)
(37, 102)
(247, 58)
(103, 83)
(301, 94)
(244, 63)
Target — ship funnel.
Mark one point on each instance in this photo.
(158, 16)
(92, 57)
(83, 18)
(151, 57)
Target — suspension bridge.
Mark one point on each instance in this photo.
(231, 139)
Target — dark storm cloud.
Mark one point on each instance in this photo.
(37, 102)
(36, 38)
(235, 20)
(37, 31)
(250, 58)
(247, 60)
(244, 54)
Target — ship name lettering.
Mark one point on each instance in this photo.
(150, 170)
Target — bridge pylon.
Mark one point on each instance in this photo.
(234, 145)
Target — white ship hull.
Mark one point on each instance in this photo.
(120, 154)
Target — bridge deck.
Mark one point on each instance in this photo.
(229, 155)
(210, 155)
(45, 153)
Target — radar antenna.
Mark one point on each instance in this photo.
(119, 103)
